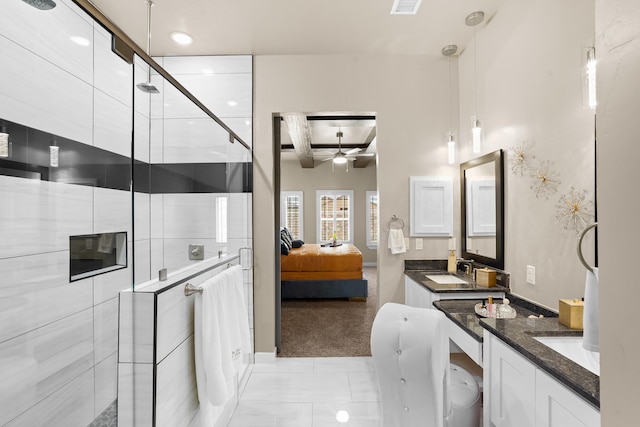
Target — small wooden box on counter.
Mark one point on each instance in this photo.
(485, 277)
(570, 312)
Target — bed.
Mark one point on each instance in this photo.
(316, 271)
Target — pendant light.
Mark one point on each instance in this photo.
(451, 143)
(472, 20)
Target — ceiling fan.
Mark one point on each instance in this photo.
(342, 157)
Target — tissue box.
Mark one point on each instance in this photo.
(571, 311)
(485, 277)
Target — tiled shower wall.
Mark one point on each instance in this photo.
(58, 339)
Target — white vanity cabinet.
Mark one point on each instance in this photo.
(510, 380)
(416, 295)
(558, 406)
(518, 393)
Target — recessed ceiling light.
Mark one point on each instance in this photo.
(181, 38)
(81, 41)
(232, 103)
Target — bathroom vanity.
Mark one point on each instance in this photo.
(525, 381)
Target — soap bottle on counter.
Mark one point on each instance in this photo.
(453, 262)
(451, 266)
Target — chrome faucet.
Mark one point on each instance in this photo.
(468, 265)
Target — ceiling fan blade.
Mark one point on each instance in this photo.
(365, 154)
(352, 151)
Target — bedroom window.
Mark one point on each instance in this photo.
(291, 213)
(334, 214)
(373, 224)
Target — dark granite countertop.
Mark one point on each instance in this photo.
(462, 312)
(420, 276)
(519, 334)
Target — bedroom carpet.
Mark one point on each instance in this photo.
(329, 327)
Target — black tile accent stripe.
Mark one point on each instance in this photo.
(83, 164)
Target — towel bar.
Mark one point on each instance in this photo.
(580, 256)
(190, 289)
(395, 219)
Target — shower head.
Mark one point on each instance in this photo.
(147, 87)
(41, 4)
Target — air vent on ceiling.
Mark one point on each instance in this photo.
(405, 7)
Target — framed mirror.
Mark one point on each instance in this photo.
(482, 209)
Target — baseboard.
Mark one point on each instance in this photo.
(264, 357)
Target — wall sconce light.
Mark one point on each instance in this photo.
(591, 77)
(451, 143)
(4, 142)
(472, 20)
(53, 154)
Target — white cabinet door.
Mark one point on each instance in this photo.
(511, 387)
(416, 295)
(557, 406)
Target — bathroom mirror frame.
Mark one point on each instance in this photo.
(498, 160)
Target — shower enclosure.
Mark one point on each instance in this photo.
(97, 174)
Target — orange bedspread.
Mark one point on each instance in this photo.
(314, 262)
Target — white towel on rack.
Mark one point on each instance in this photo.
(396, 241)
(591, 314)
(221, 333)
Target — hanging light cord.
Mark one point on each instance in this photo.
(475, 75)
(450, 103)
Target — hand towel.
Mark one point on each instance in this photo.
(591, 313)
(396, 241)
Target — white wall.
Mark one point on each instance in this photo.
(618, 53)
(529, 87)
(407, 93)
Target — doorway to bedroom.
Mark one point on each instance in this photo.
(326, 182)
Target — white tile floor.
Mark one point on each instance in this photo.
(310, 392)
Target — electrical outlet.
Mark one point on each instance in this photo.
(419, 244)
(531, 274)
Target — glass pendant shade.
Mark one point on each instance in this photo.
(476, 136)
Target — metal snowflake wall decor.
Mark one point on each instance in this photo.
(520, 158)
(574, 211)
(544, 181)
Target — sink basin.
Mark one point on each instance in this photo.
(571, 348)
(446, 279)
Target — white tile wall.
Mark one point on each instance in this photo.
(106, 380)
(113, 76)
(48, 35)
(135, 408)
(112, 211)
(43, 96)
(207, 65)
(105, 329)
(176, 393)
(41, 362)
(111, 124)
(68, 406)
(39, 216)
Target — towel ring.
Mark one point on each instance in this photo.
(580, 256)
(397, 221)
